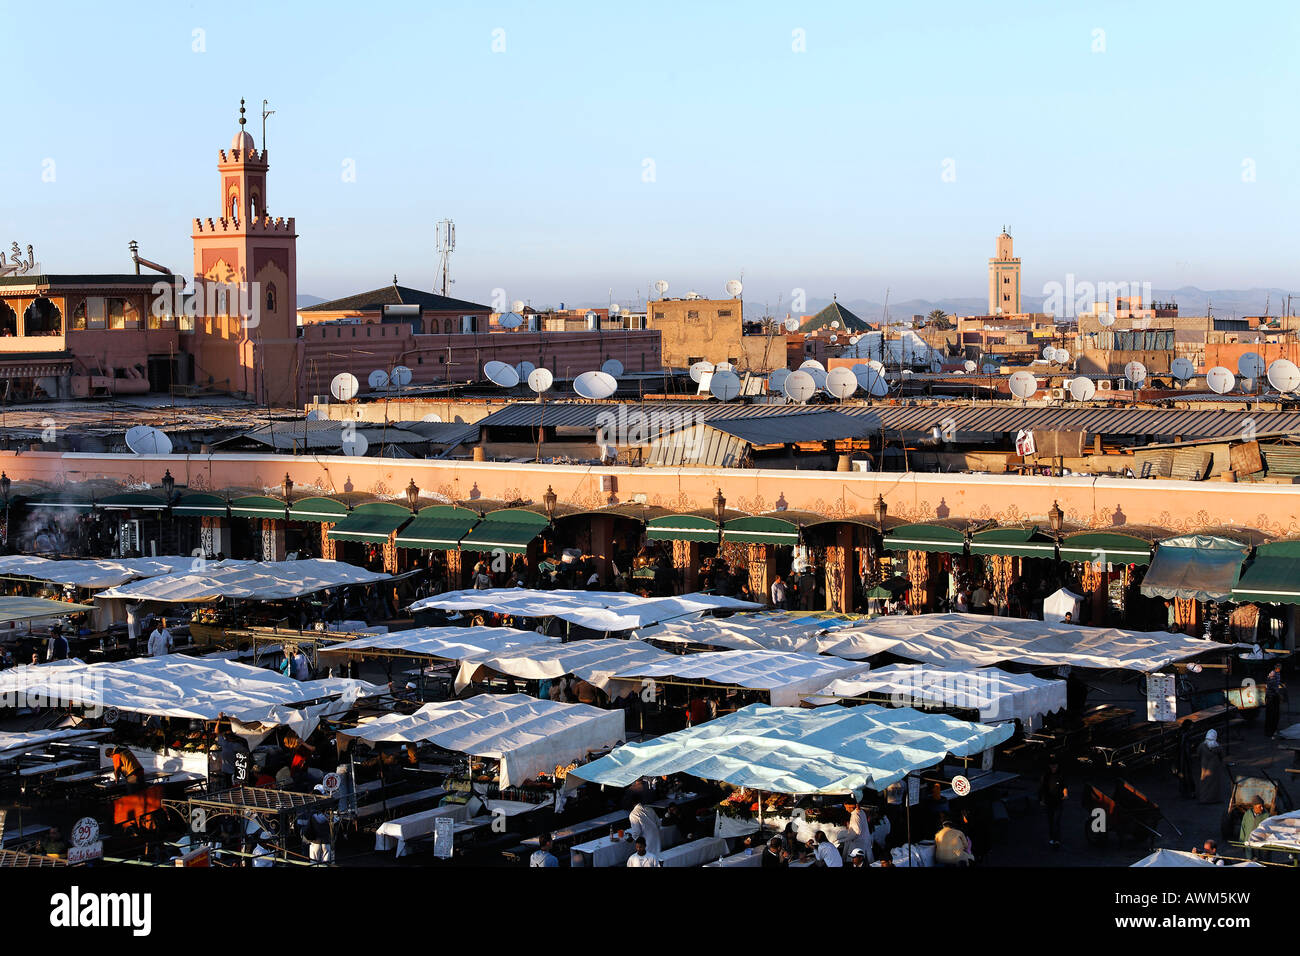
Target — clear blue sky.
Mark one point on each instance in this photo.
(819, 169)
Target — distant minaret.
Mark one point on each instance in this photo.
(1004, 279)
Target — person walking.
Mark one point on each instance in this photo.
(1052, 793)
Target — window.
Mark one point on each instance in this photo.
(43, 318)
(658, 314)
(692, 314)
(96, 310)
(270, 297)
(78, 321)
(122, 314)
(724, 313)
(8, 321)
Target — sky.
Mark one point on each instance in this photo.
(585, 150)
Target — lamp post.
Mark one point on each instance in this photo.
(169, 489)
(5, 485)
(1056, 517)
(719, 512)
(413, 496)
(882, 510)
(549, 500)
(287, 487)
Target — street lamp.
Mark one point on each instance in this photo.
(882, 510)
(1057, 517)
(549, 500)
(168, 486)
(287, 486)
(719, 511)
(413, 496)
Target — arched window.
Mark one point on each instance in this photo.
(446, 326)
(8, 320)
(252, 208)
(270, 297)
(42, 318)
(78, 322)
(234, 206)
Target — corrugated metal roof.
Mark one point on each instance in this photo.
(787, 429)
(982, 419)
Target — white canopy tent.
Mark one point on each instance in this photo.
(444, 643)
(799, 751)
(786, 677)
(91, 572)
(1059, 603)
(528, 736)
(764, 630)
(246, 580)
(606, 611)
(996, 694)
(176, 686)
(978, 640)
(1277, 832)
(594, 661)
(1180, 858)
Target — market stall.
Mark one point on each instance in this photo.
(761, 630)
(594, 661)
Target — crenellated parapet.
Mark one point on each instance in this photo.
(263, 225)
(250, 157)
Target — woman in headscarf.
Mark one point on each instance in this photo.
(1210, 785)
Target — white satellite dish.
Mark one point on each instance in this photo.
(841, 383)
(1250, 365)
(517, 305)
(614, 308)
(314, 416)
(344, 386)
(1106, 320)
(377, 379)
(811, 364)
(1023, 385)
(432, 417)
(969, 365)
(355, 444)
(1182, 368)
(661, 286)
(724, 367)
(725, 385)
(1135, 372)
(776, 381)
(1284, 376)
(499, 373)
(791, 324)
(853, 339)
(835, 323)
(818, 376)
(799, 386)
(989, 368)
(612, 367)
(834, 339)
(540, 380)
(734, 288)
(147, 440)
(700, 369)
(875, 385)
(1049, 352)
(595, 385)
(401, 376)
(1219, 380)
(524, 369)
(511, 320)
(878, 365)
(1063, 356)
(1082, 389)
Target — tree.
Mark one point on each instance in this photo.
(938, 319)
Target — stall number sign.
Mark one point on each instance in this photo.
(443, 828)
(331, 783)
(1162, 699)
(913, 790)
(86, 844)
(241, 768)
(960, 786)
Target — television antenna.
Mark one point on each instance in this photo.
(446, 235)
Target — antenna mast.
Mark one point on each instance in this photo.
(446, 230)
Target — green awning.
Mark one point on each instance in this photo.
(438, 528)
(323, 510)
(139, 500)
(1273, 576)
(198, 504)
(1019, 542)
(759, 529)
(682, 528)
(510, 530)
(372, 522)
(1105, 547)
(257, 506)
(1195, 567)
(926, 537)
(64, 500)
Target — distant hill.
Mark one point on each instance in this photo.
(305, 300)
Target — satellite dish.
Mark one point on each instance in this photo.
(1135, 372)
(834, 339)
(1106, 320)
(878, 365)
(147, 440)
(725, 385)
(1284, 376)
(799, 386)
(818, 376)
(517, 305)
(314, 416)
(700, 369)
(811, 364)
(1246, 384)
(989, 369)
(661, 286)
(511, 320)
(841, 383)
(540, 380)
(875, 385)
(595, 385)
(499, 373)
(969, 365)
(1049, 352)
(791, 324)
(355, 444)
(1023, 385)
(1082, 389)
(1250, 365)
(853, 339)
(614, 309)
(432, 417)
(401, 376)
(835, 323)
(776, 381)
(734, 288)
(612, 367)
(724, 367)
(344, 386)
(1219, 380)
(524, 369)
(1182, 368)
(1063, 356)
(378, 379)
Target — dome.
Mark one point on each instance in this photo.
(243, 142)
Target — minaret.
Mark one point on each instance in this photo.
(250, 351)
(1004, 279)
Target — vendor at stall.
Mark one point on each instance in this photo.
(643, 826)
(126, 766)
(859, 828)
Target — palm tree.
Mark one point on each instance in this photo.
(935, 316)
